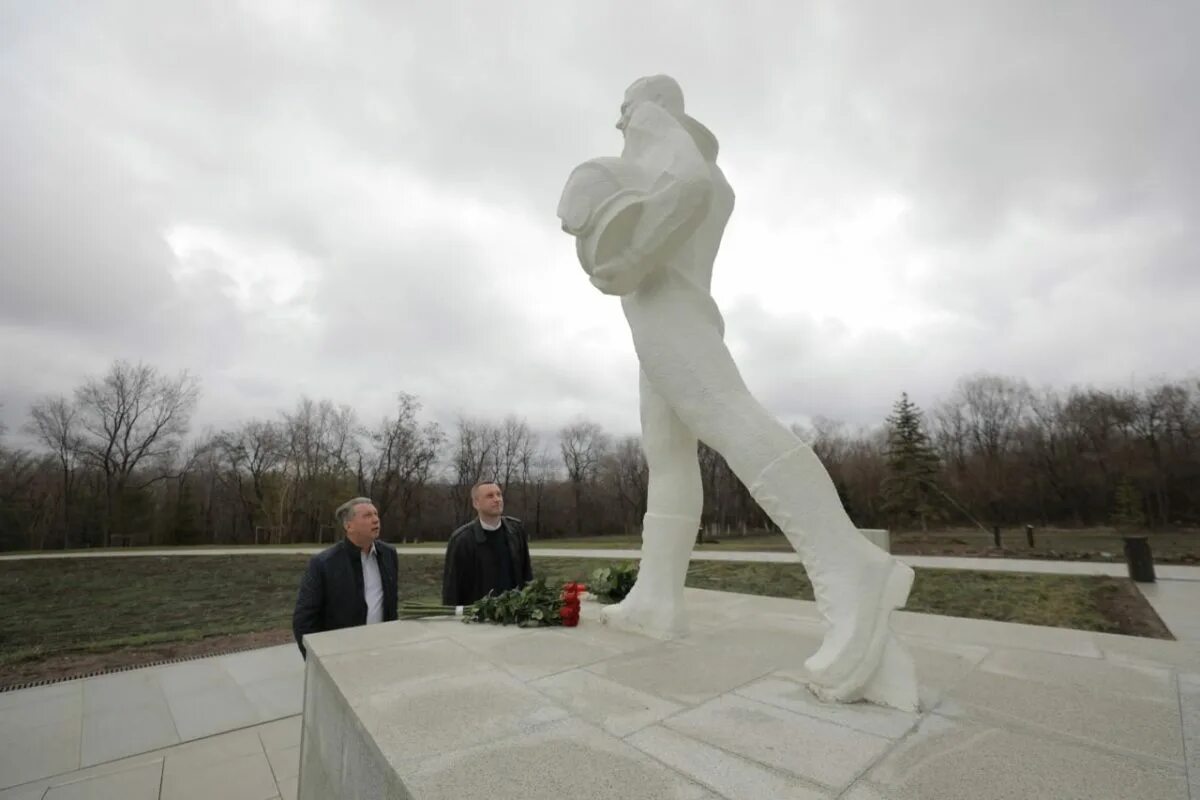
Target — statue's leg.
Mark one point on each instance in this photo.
(856, 584)
(674, 504)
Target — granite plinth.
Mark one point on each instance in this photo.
(439, 709)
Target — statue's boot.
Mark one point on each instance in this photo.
(655, 604)
(856, 584)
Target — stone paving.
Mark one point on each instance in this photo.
(83, 731)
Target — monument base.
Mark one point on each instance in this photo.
(439, 709)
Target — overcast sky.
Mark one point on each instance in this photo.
(349, 200)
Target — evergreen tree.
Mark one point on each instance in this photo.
(910, 488)
(1127, 512)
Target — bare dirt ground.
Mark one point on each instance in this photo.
(66, 666)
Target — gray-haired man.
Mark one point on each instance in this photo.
(351, 583)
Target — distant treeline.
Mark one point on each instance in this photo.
(118, 464)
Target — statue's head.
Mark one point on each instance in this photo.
(661, 90)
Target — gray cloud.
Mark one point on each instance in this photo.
(350, 201)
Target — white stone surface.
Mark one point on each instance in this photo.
(725, 712)
(648, 225)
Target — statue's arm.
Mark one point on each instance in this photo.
(675, 206)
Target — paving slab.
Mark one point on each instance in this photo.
(539, 653)
(568, 759)
(617, 709)
(214, 710)
(989, 633)
(275, 698)
(243, 777)
(794, 696)
(731, 776)
(252, 666)
(670, 670)
(39, 750)
(1176, 602)
(189, 677)
(285, 763)
(954, 759)
(1153, 652)
(289, 788)
(112, 733)
(133, 783)
(44, 704)
(424, 719)
(816, 751)
(208, 758)
(280, 735)
(1100, 675)
(1124, 723)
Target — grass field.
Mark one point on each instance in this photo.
(63, 616)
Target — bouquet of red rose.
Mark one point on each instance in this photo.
(534, 605)
(569, 611)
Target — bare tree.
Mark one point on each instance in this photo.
(627, 476)
(250, 455)
(582, 444)
(540, 472)
(321, 447)
(54, 421)
(514, 442)
(132, 418)
(473, 460)
(400, 460)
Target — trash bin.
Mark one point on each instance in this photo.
(1139, 559)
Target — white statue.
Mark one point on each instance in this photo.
(648, 226)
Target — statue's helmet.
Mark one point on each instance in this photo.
(601, 205)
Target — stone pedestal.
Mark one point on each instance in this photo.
(442, 710)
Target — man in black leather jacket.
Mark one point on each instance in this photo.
(488, 554)
(351, 583)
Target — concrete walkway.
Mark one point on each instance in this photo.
(87, 730)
